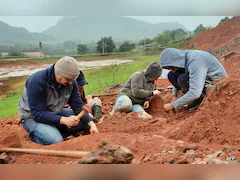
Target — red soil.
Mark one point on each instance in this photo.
(179, 137)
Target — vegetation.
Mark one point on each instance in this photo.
(9, 104)
(145, 41)
(82, 49)
(105, 45)
(127, 46)
(200, 29)
(224, 19)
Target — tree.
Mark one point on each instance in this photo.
(0, 54)
(147, 41)
(200, 29)
(224, 19)
(178, 34)
(127, 46)
(14, 53)
(105, 45)
(82, 49)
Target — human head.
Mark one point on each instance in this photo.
(172, 58)
(66, 70)
(153, 71)
(81, 79)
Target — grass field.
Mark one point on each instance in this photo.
(98, 79)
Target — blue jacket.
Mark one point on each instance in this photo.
(43, 98)
(199, 64)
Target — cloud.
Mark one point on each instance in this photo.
(120, 7)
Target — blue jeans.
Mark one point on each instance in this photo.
(124, 104)
(46, 134)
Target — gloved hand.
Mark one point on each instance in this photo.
(156, 92)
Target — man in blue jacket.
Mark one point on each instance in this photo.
(190, 71)
(41, 107)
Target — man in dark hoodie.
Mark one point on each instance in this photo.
(136, 94)
(190, 71)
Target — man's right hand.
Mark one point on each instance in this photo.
(69, 121)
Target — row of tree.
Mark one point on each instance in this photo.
(104, 45)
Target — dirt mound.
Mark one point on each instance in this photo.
(218, 119)
(220, 41)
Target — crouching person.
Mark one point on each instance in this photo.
(191, 72)
(95, 104)
(136, 94)
(41, 106)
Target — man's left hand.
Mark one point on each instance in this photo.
(93, 127)
(168, 107)
(146, 105)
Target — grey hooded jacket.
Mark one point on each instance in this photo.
(140, 85)
(199, 64)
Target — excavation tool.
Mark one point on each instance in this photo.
(85, 109)
(108, 152)
(107, 94)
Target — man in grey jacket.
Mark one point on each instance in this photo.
(136, 94)
(190, 70)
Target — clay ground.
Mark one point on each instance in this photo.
(183, 137)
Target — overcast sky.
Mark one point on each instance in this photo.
(40, 23)
(147, 10)
(119, 7)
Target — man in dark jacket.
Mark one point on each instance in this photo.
(41, 107)
(136, 94)
(190, 71)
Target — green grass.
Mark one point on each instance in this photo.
(99, 80)
(9, 104)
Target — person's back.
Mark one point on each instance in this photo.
(205, 60)
(190, 70)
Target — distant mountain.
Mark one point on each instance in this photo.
(15, 34)
(88, 29)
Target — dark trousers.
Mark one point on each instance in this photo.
(179, 80)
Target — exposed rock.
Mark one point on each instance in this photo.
(108, 152)
(6, 158)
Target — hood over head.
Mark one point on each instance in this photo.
(153, 71)
(173, 57)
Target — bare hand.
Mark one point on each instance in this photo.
(93, 127)
(69, 121)
(146, 105)
(168, 107)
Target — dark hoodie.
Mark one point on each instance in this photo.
(199, 65)
(140, 85)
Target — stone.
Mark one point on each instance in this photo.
(108, 152)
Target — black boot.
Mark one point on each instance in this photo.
(96, 112)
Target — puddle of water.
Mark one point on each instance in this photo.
(14, 78)
(23, 71)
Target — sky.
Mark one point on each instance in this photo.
(41, 23)
(38, 15)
